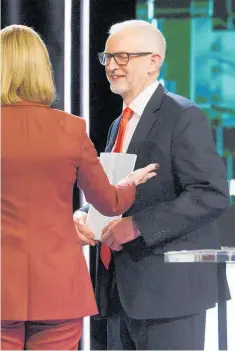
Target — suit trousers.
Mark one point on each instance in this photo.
(178, 333)
(41, 335)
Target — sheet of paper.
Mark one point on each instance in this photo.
(117, 166)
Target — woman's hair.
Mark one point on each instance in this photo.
(26, 71)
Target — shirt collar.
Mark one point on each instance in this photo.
(139, 103)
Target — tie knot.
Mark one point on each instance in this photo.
(127, 113)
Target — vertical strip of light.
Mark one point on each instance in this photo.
(192, 51)
(150, 10)
(84, 95)
(85, 113)
(67, 55)
(85, 62)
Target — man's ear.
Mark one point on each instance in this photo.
(155, 63)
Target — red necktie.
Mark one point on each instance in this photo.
(105, 252)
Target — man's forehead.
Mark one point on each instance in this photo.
(123, 41)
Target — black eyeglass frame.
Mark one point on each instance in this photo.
(129, 54)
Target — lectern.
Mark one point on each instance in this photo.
(225, 259)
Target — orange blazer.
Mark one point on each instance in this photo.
(44, 273)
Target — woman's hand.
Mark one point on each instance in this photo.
(142, 175)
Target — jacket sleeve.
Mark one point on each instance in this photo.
(200, 171)
(85, 208)
(108, 199)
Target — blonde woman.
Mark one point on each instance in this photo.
(46, 288)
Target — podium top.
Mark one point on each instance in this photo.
(226, 255)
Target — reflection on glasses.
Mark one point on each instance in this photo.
(121, 58)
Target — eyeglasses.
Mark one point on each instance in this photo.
(121, 58)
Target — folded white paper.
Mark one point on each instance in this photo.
(117, 166)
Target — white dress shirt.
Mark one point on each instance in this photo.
(137, 106)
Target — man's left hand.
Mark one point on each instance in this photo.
(118, 232)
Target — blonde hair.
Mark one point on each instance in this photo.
(26, 71)
(146, 30)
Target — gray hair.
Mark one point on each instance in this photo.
(149, 30)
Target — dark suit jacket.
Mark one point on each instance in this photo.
(174, 211)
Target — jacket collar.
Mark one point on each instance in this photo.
(25, 103)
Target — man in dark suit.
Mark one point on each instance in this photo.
(150, 304)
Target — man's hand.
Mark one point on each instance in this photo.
(118, 232)
(85, 234)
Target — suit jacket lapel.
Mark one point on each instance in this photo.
(147, 120)
(113, 135)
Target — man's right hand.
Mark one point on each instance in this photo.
(85, 234)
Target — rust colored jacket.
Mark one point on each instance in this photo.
(44, 274)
